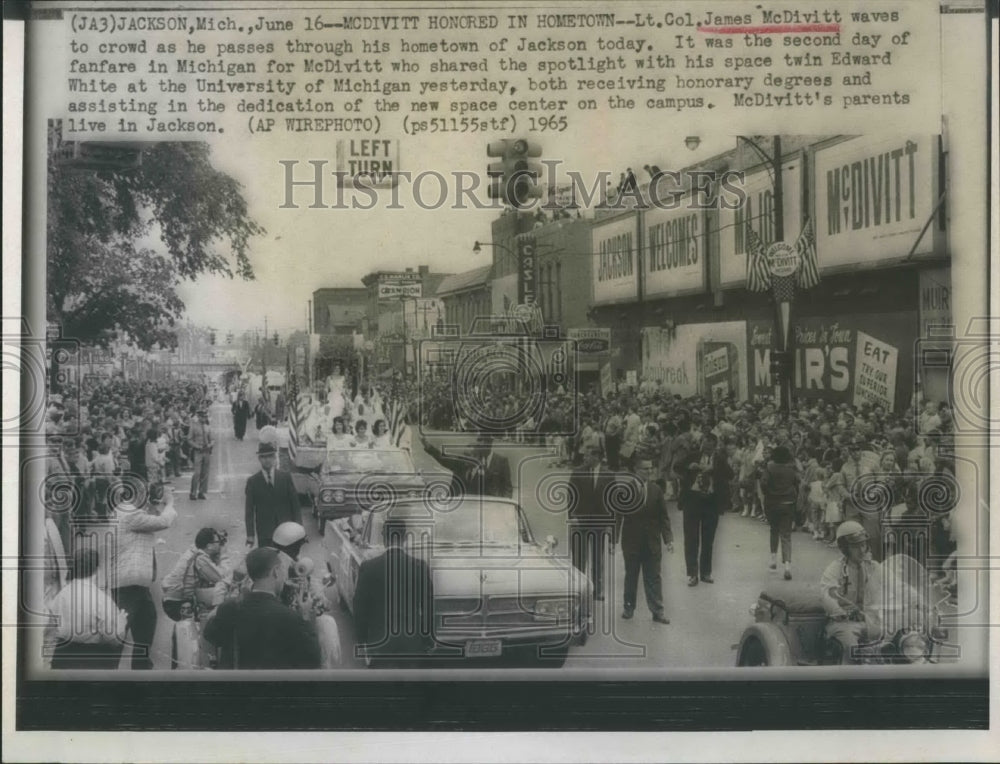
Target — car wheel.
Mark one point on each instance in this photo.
(752, 653)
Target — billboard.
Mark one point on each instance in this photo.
(594, 341)
(758, 208)
(873, 196)
(616, 250)
(391, 290)
(697, 359)
(849, 359)
(675, 250)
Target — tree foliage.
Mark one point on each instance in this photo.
(120, 241)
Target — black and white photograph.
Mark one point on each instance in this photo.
(510, 367)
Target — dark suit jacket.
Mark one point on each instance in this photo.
(393, 604)
(258, 632)
(494, 480)
(647, 526)
(590, 499)
(721, 474)
(267, 506)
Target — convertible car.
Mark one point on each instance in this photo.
(354, 480)
(497, 592)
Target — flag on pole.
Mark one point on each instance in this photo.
(294, 414)
(395, 411)
(758, 275)
(808, 275)
(265, 394)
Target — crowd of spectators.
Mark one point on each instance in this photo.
(112, 432)
(850, 460)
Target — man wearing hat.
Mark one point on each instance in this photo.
(271, 498)
(200, 440)
(258, 631)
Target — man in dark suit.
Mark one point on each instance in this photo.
(393, 601)
(491, 476)
(258, 631)
(271, 498)
(641, 532)
(704, 475)
(591, 523)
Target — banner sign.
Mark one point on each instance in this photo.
(875, 382)
(396, 290)
(616, 275)
(697, 359)
(527, 288)
(935, 307)
(591, 341)
(873, 196)
(856, 358)
(758, 209)
(675, 257)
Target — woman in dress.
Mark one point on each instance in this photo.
(361, 437)
(380, 435)
(339, 437)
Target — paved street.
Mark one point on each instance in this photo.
(705, 620)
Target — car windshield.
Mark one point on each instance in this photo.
(472, 523)
(367, 460)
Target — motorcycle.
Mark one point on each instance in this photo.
(308, 597)
(792, 628)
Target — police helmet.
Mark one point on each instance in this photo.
(289, 538)
(851, 532)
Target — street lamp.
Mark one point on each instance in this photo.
(781, 287)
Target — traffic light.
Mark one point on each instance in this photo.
(514, 179)
(275, 338)
(781, 363)
(211, 338)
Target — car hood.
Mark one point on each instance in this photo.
(474, 576)
(369, 479)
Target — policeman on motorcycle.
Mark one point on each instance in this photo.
(851, 588)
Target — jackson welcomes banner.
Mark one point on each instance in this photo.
(852, 359)
(697, 359)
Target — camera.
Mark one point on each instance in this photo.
(500, 377)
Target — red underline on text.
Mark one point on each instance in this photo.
(772, 29)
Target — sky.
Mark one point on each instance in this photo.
(307, 249)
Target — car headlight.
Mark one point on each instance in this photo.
(914, 647)
(559, 609)
(326, 496)
(338, 496)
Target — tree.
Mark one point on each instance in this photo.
(104, 280)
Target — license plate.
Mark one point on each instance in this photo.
(483, 648)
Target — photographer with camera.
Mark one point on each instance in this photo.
(134, 568)
(189, 587)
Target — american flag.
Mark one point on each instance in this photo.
(758, 275)
(395, 411)
(808, 275)
(292, 403)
